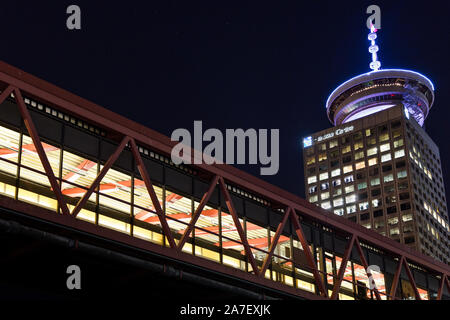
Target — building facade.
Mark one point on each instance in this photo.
(383, 172)
(377, 166)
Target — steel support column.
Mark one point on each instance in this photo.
(198, 212)
(338, 281)
(308, 254)
(100, 176)
(5, 94)
(40, 151)
(411, 279)
(274, 242)
(394, 285)
(151, 191)
(239, 229)
(441, 287)
(366, 266)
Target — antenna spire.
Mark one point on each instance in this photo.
(373, 49)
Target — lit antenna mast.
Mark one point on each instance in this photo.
(373, 49)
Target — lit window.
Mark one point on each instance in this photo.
(348, 179)
(326, 205)
(385, 147)
(339, 212)
(338, 202)
(363, 206)
(393, 221)
(371, 141)
(401, 174)
(336, 172)
(372, 151)
(394, 231)
(358, 145)
(407, 217)
(324, 195)
(336, 182)
(349, 189)
(362, 185)
(346, 149)
(388, 178)
(359, 155)
(398, 143)
(360, 165)
(333, 144)
(313, 198)
(384, 137)
(313, 189)
(322, 147)
(348, 169)
(337, 192)
(399, 153)
(375, 182)
(324, 186)
(323, 176)
(351, 209)
(350, 198)
(376, 203)
(373, 161)
(312, 179)
(322, 156)
(386, 157)
(310, 160)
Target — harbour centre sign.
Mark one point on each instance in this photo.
(308, 141)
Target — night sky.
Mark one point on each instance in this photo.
(231, 64)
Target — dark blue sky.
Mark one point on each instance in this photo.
(231, 64)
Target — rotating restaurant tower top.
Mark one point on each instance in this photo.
(380, 89)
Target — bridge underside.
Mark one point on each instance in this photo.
(36, 254)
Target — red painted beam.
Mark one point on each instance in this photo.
(344, 261)
(274, 242)
(100, 176)
(234, 215)
(40, 151)
(394, 285)
(151, 191)
(411, 280)
(309, 256)
(441, 287)
(198, 212)
(5, 94)
(366, 266)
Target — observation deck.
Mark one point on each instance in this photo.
(378, 90)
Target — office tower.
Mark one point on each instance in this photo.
(377, 166)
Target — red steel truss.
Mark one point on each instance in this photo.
(15, 82)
